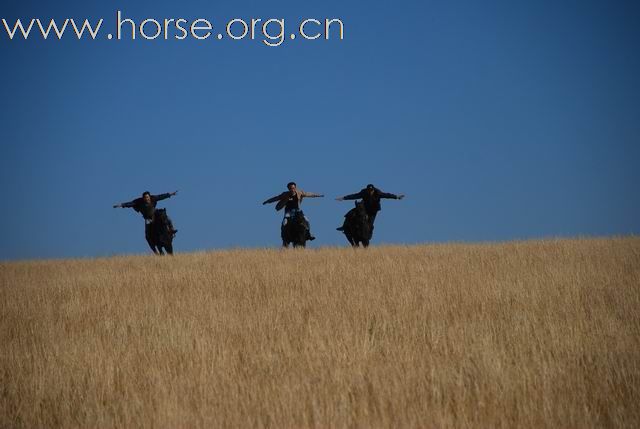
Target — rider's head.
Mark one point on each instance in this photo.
(146, 196)
(370, 188)
(291, 186)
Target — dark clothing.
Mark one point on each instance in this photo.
(371, 200)
(143, 208)
(372, 219)
(293, 203)
(148, 230)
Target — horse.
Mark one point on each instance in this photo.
(357, 226)
(295, 231)
(158, 235)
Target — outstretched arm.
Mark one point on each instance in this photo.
(391, 196)
(312, 195)
(164, 196)
(126, 205)
(350, 197)
(272, 199)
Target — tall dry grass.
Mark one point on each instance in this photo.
(528, 334)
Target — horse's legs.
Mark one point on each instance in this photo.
(169, 248)
(152, 246)
(350, 239)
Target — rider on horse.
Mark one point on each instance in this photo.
(291, 201)
(371, 198)
(146, 205)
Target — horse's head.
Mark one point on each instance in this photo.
(160, 216)
(360, 209)
(295, 229)
(360, 218)
(298, 217)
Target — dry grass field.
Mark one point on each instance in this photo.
(523, 334)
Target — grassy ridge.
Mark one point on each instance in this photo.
(529, 334)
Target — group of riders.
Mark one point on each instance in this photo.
(290, 201)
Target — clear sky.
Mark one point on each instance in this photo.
(499, 120)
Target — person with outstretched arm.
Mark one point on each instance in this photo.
(290, 201)
(371, 197)
(146, 206)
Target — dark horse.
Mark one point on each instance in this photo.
(158, 235)
(357, 226)
(295, 231)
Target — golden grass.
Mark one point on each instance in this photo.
(523, 334)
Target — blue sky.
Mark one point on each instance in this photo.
(499, 120)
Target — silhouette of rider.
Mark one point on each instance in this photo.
(146, 205)
(291, 201)
(371, 197)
